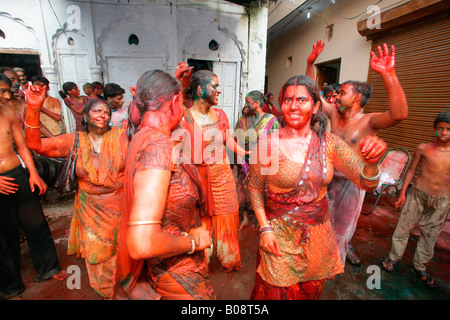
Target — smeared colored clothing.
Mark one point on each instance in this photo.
(98, 207)
(213, 164)
(178, 277)
(77, 116)
(296, 207)
(345, 201)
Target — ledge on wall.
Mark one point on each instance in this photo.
(402, 14)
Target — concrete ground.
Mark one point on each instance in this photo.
(372, 242)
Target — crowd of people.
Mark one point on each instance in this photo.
(157, 198)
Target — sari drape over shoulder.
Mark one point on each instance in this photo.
(98, 207)
(207, 151)
(178, 277)
(294, 200)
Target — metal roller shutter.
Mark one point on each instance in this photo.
(423, 68)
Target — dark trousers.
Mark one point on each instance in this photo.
(23, 209)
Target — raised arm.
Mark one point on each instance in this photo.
(317, 49)
(384, 65)
(50, 147)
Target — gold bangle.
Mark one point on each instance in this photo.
(31, 127)
(142, 223)
(370, 179)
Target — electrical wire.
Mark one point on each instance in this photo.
(64, 31)
(350, 18)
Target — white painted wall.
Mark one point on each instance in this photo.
(169, 32)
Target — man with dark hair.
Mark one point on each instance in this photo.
(427, 203)
(352, 125)
(16, 102)
(114, 95)
(20, 206)
(50, 112)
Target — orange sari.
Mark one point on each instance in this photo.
(98, 207)
(211, 160)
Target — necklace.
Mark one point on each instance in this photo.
(204, 117)
(304, 144)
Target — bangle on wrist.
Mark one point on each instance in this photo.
(192, 249)
(31, 127)
(265, 229)
(370, 178)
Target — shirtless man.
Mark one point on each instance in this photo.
(50, 111)
(113, 93)
(20, 206)
(17, 103)
(352, 125)
(428, 201)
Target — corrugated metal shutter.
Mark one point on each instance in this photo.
(423, 68)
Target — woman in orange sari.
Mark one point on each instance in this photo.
(98, 200)
(208, 135)
(162, 238)
(288, 183)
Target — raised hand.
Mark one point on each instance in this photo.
(35, 95)
(317, 49)
(372, 149)
(384, 62)
(183, 74)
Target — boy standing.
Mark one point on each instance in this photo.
(428, 201)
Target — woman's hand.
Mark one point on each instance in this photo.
(183, 74)
(372, 149)
(269, 243)
(202, 238)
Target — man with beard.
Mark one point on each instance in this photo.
(352, 125)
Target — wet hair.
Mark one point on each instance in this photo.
(199, 78)
(66, 87)
(40, 79)
(332, 87)
(363, 88)
(153, 89)
(257, 95)
(5, 79)
(313, 89)
(112, 90)
(444, 116)
(87, 107)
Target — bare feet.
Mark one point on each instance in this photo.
(60, 276)
(245, 221)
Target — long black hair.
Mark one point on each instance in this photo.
(87, 107)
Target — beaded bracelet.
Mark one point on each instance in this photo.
(372, 178)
